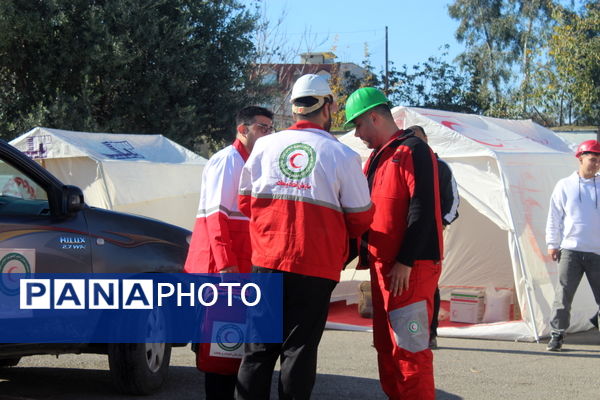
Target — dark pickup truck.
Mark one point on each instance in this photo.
(46, 227)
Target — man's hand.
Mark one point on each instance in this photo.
(555, 254)
(399, 276)
(230, 270)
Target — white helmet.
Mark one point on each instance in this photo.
(310, 85)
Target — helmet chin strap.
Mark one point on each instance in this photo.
(303, 110)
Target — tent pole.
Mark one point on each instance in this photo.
(520, 256)
(527, 285)
(110, 203)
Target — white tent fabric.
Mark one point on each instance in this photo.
(505, 171)
(574, 139)
(147, 175)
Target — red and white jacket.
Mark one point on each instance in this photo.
(305, 195)
(220, 238)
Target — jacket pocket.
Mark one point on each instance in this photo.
(411, 326)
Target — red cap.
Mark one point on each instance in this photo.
(588, 146)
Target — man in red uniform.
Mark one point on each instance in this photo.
(403, 246)
(221, 241)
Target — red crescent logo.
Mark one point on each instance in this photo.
(451, 126)
(292, 160)
(437, 115)
(488, 144)
(10, 270)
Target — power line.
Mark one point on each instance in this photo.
(335, 33)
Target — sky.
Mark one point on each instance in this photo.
(417, 29)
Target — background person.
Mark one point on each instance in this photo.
(221, 240)
(305, 195)
(573, 236)
(403, 246)
(449, 202)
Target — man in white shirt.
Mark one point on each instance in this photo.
(573, 236)
(221, 239)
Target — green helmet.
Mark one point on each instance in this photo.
(361, 101)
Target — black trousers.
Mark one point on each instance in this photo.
(219, 387)
(305, 307)
(436, 313)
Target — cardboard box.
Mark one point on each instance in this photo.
(466, 306)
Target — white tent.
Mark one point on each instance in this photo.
(574, 139)
(505, 171)
(147, 175)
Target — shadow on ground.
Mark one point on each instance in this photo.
(25, 383)
(29, 383)
(350, 387)
(570, 346)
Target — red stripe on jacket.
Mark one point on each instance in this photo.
(280, 241)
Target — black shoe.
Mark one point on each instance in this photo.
(433, 343)
(555, 343)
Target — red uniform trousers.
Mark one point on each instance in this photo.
(401, 331)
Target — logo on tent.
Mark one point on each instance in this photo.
(35, 146)
(122, 150)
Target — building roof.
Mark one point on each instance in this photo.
(288, 73)
(324, 54)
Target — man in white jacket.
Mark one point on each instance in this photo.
(573, 236)
(305, 195)
(221, 239)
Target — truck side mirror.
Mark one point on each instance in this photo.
(72, 199)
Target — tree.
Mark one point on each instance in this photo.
(176, 67)
(274, 58)
(434, 83)
(342, 85)
(533, 26)
(575, 48)
(487, 31)
(504, 41)
(550, 94)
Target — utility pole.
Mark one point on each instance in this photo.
(385, 79)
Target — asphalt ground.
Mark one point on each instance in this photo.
(464, 369)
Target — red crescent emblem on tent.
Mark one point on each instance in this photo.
(488, 144)
(292, 160)
(11, 269)
(451, 126)
(436, 115)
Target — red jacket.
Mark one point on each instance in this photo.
(221, 238)
(407, 226)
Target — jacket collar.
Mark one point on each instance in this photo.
(299, 125)
(400, 134)
(239, 146)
